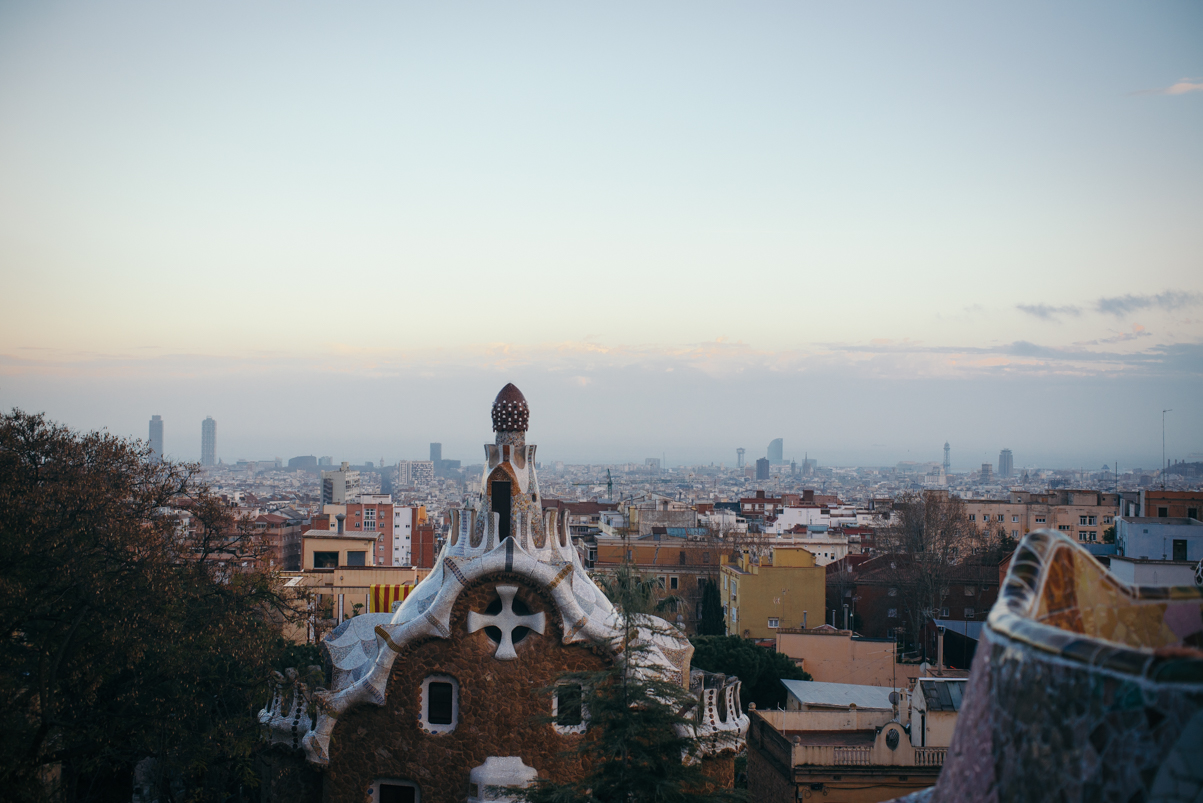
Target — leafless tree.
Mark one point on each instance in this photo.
(931, 534)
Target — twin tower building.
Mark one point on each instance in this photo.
(208, 440)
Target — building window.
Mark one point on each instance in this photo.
(893, 592)
(681, 558)
(1191, 513)
(969, 613)
(674, 583)
(1040, 519)
(774, 623)
(660, 582)
(391, 790)
(440, 704)
(1180, 549)
(892, 613)
(1014, 533)
(1065, 527)
(944, 613)
(973, 517)
(847, 592)
(724, 582)
(1014, 519)
(705, 557)
(1163, 512)
(568, 708)
(970, 591)
(325, 560)
(356, 558)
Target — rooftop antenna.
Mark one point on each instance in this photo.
(1163, 412)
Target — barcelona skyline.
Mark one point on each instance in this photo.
(678, 229)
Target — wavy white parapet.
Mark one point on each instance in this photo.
(362, 649)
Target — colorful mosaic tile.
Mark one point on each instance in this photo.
(1083, 689)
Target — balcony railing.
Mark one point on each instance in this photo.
(930, 756)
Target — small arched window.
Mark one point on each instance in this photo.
(440, 704)
(568, 708)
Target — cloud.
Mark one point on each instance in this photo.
(1046, 312)
(1183, 87)
(1137, 332)
(1169, 300)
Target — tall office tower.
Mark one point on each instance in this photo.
(739, 457)
(776, 447)
(987, 470)
(947, 461)
(208, 442)
(1006, 464)
(762, 468)
(156, 438)
(436, 453)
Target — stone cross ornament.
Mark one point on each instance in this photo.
(506, 622)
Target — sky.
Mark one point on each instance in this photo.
(680, 228)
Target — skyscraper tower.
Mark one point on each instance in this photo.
(947, 461)
(1006, 465)
(739, 457)
(776, 449)
(208, 442)
(156, 438)
(436, 454)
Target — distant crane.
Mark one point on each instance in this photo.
(609, 484)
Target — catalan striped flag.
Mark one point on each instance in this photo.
(385, 597)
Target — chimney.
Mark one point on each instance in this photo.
(341, 518)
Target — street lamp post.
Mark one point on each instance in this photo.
(1163, 466)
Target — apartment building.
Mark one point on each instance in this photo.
(760, 594)
(392, 525)
(679, 561)
(1083, 515)
(341, 486)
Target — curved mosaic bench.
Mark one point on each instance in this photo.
(1082, 689)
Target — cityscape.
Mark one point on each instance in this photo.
(601, 403)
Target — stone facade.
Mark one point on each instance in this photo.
(456, 681)
(500, 706)
(1084, 689)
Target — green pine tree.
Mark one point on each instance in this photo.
(712, 623)
(638, 746)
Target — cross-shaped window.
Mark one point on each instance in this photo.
(506, 622)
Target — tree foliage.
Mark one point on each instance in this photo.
(126, 631)
(639, 744)
(761, 670)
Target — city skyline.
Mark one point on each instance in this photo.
(940, 457)
(691, 226)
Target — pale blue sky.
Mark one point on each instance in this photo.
(672, 218)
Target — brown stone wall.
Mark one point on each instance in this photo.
(720, 770)
(499, 703)
(765, 783)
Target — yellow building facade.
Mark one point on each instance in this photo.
(760, 597)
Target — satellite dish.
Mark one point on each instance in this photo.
(893, 698)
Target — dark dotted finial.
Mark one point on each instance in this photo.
(510, 413)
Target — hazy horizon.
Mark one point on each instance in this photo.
(679, 228)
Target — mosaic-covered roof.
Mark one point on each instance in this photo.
(510, 413)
